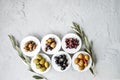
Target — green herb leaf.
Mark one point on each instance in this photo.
(12, 41)
(37, 77)
(25, 59)
(92, 71)
(30, 69)
(15, 45)
(86, 43)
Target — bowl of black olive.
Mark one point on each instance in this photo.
(61, 61)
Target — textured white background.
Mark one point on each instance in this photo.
(99, 19)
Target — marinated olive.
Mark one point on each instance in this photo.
(81, 67)
(30, 46)
(85, 64)
(49, 40)
(81, 63)
(76, 60)
(86, 57)
(46, 42)
(53, 45)
(50, 44)
(80, 56)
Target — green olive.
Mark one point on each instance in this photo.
(42, 69)
(38, 66)
(42, 61)
(39, 56)
(36, 61)
(46, 64)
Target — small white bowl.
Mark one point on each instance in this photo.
(25, 40)
(76, 67)
(58, 43)
(55, 66)
(33, 66)
(71, 35)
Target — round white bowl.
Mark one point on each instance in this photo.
(25, 40)
(76, 67)
(55, 66)
(33, 66)
(58, 43)
(71, 35)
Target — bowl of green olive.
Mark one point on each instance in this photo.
(40, 63)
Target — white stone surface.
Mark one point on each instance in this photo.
(99, 18)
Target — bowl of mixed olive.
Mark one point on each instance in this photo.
(40, 63)
(51, 43)
(30, 46)
(81, 61)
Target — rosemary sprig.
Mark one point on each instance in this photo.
(88, 46)
(37, 77)
(24, 58)
(15, 45)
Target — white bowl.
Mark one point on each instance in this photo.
(58, 43)
(76, 67)
(71, 51)
(30, 38)
(33, 66)
(58, 68)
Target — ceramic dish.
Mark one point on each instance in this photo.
(33, 65)
(72, 50)
(58, 68)
(76, 67)
(35, 40)
(57, 41)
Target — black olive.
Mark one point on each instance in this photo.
(64, 56)
(65, 61)
(56, 61)
(63, 68)
(61, 63)
(61, 56)
(66, 65)
(56, 58)
(50, 48)
(61, 60)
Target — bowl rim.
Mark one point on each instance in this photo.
(76, 66)
(58, 47)
(33, 65)
(30, 38)
(72, 35)
(54, 64)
